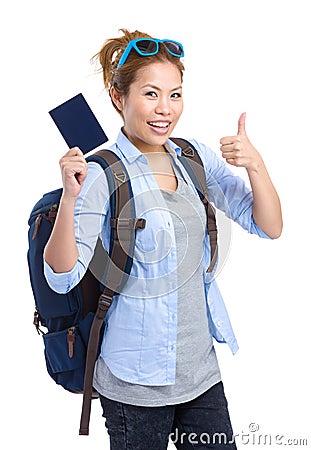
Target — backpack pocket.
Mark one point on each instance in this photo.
(65, 354)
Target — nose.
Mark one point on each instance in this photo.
(163, 106)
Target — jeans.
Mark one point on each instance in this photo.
(202, 423)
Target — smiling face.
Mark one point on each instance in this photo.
(152, 107)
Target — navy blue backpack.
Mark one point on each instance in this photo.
(71, 324)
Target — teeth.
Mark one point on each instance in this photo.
(159, 124)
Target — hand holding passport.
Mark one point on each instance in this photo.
(80, 128)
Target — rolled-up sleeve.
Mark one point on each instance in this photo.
(61, 282)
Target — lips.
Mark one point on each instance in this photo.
(159, 127)
(159, 124)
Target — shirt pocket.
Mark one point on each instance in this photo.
(154, 242)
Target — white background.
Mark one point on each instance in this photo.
(240, 55)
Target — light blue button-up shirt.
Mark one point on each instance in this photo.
(139, 344)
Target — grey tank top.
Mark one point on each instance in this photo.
(196, 363)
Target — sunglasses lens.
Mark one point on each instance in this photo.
(149, 47)
(146, 46)
(174, 48)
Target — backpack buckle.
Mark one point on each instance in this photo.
(104, 302)
(188, 151)
(105, 299)
(129, 224)
(121, 176)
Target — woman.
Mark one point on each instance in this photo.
(157, 374)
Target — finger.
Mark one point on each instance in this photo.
(74, 151)
(80, 176)
(227, 153)
(73, 155)
(241, 124)
(74, 169)
(76, 159)
(228, 148)
(74, 175)
(231, 161)
(231, 155)
(229, 140)
(231, 148)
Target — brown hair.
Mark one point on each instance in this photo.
(121, 79)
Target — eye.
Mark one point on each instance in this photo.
(176, 95)
(151, 94)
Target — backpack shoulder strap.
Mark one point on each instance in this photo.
(122, 243)
(123, 221)
(193, 164)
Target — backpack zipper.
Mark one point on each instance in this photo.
(51, 216)
(70, 341)
(37, 224)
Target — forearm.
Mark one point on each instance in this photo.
(266, 207)
(61, 251)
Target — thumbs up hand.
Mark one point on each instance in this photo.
(238, 150)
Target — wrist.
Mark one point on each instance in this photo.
(257, 166)
(67, 200)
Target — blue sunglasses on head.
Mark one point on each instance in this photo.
(149, 47)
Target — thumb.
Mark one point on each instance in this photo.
(241, 124)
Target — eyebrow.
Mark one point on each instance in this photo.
(153, 86)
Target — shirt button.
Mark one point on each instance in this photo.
(219, 323)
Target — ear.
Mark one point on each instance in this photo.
(116, 98)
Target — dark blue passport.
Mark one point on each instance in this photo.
(78, 124)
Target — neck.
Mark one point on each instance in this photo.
(144, 147)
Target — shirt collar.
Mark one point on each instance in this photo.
(131, 153)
